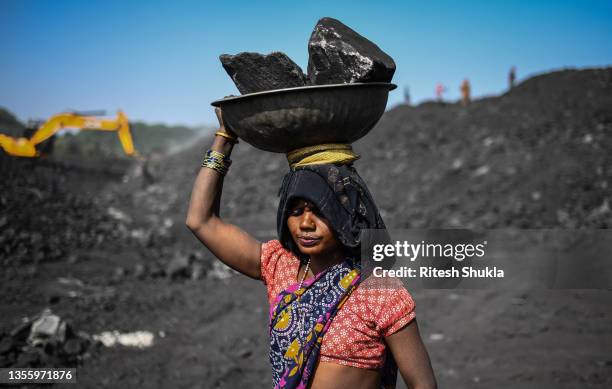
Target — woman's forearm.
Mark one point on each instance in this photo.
(206, 193)
(229, 243)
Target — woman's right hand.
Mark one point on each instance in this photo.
(222, 126)
(225, 138)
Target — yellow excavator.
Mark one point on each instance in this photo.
(26, 147)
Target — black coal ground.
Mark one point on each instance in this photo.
(535, 157)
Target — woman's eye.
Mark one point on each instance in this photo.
(296, 212)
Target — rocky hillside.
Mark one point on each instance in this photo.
(536, 156)
(106, 247)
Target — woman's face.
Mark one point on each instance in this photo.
(310, 231)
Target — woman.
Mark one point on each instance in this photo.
(329, 328)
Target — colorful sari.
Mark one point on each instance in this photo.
(293, 355)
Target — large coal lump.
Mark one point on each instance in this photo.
(255, 72)
(339, 55)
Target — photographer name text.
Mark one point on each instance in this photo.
(440, 255)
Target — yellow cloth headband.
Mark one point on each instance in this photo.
(320, 154)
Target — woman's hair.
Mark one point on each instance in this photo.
(341, 197)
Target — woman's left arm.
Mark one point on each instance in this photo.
(411, 357)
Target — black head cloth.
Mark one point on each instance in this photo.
(341, 197)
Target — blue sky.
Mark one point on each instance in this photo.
(158, 61)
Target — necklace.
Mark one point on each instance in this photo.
(304, 276)
(301, 328)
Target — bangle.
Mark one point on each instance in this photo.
(219, 167)
(215, 154)
(216, 161)
(214, 166)
(230, 138)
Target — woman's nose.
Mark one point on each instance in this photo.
(307, 221)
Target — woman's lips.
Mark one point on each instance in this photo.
(308, 241)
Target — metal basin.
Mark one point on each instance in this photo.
(282, 120)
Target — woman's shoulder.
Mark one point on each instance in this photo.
(389, 304)
(276, 261)
(271, 246)
(274, 249)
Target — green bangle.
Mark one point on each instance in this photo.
(217, 155)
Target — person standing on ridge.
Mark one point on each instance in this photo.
(465, 92)
(406, 95)
(440, 89)
(511, 77)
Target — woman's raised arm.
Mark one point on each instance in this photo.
(228, 242)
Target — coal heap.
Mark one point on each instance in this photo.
(42, 218)
(535, 157)
(45, 340)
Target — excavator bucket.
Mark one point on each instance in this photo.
(18, 147)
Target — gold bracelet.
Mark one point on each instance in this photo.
(215, 165)
(215, 154)
(216, 161)
(227, 136)
(220, 169)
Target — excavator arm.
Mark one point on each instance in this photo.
(24, 147)
(19, 147)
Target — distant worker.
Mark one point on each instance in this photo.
(512, 77)
(440, 89)
(465, 92)
(406, 95)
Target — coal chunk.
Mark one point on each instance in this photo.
(254, 72)
(339, 55)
